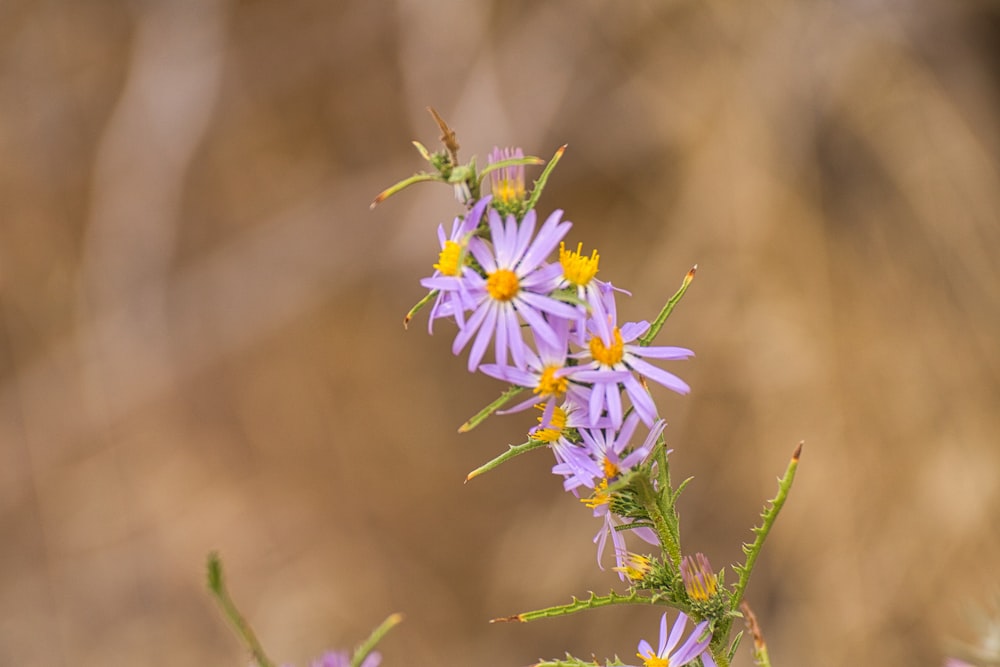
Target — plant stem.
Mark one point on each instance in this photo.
(374, 638)
(217, 585)
(669, 539)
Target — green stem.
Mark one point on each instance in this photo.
(770, 513)
(417, 306)
(217, 585)
(405, 183)
(536, 191)
(668, 308)
(668, 534)
(366, 647)
(512, 451)
(593, 602)
(481, 416)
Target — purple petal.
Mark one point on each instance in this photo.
(483, 337)
(482, 253)
(658, 375)
(549, 236)
(659, 352)
(524, 234)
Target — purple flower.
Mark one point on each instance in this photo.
(611, 354)
(666, 656)
(451, 265)
(545, 373)
(609, 455)
(516, 288)
(578, 274)
(343, 659)
(699, 579)
(507, 183)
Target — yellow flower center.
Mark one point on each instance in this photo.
(702, 590)
(508, 190)
(700, 582)
(503, 285)
(600, 497)
(555, 428)
(607, 356)
(653, 660)
(636, 567)
(450, 260)
(549, 384)
(610, 469)
(578, 269)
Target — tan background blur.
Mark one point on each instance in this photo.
(201, 343)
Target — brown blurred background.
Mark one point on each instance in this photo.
(202, 344)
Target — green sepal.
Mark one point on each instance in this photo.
(424, 153)
(731, 651)
(481, 416)
(512, 162)
(512, 451)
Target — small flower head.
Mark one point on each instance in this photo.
(545, 373)
(617, 361)
(451, 266)
(700, 581)
(514, 289)
(669, 654)
(635, 568)
(578, 269)
(507, 183)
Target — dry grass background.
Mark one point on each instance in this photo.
(201, 341)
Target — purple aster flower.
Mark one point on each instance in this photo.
(571, 457)
(516, 288)
(507, 183)
(690, 650)
(578, 274)
(451, 264)
(611, 354)
(699, 579)
(609, 456)
(545, 373)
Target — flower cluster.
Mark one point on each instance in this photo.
(555, 331)
(529, 310)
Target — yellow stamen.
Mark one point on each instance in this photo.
(554, 431)
(508, 190)
(610, 468)
(503, 284)
(450, 260)
(608, 356)
(653, 660)
(549, 384)
(600, 497)
(700, 581)
(578, 269)
(636, 567)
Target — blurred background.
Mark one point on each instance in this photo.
(201, 343)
